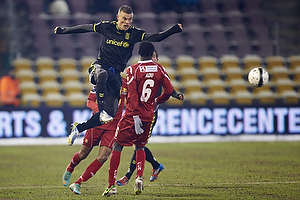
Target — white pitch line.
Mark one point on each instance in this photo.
(254, 183)
(156, 185)
(159, 139)
(246, 183)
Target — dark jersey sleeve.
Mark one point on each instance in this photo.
(84, 28)
(157, 37)
(98, 26)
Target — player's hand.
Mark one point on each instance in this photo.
(180, 96)
(58, 30)
(180, 25)
(138, 125)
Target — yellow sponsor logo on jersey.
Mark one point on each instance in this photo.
(119, 44)
(125, 44)
(123, 91)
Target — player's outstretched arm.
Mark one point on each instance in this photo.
(84, 28)
(157, 37)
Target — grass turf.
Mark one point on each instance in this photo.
(230, 170)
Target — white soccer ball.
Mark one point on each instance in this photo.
(258, 77)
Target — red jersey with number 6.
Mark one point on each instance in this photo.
(143, 80)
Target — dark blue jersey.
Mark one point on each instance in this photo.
(117, 45)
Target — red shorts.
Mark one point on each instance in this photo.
(96, 135)
(126, 136)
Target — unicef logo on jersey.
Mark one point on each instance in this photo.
(119, 44)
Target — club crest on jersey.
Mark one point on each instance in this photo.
(142, 69)
(150, 68)
(127, 35)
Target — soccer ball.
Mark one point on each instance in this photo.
(258, 77)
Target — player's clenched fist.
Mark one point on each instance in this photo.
(58, 30)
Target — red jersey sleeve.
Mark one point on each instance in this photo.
(133, 97)
(91, 102)
(167, 86)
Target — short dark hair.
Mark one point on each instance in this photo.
(146, 49)
(126, 9)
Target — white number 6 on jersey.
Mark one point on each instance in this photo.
(146, 93)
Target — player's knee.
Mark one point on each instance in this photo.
(117, 147)
(140, 148)
(101, 74)
(102, 158)
(83, 154)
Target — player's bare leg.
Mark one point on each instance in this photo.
(77, 158)
(92, 169)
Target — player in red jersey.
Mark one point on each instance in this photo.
(115, 51)
(156, 166)
(143, 80)
(101, 134)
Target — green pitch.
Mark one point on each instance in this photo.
(233, 170)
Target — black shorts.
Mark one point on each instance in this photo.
(114, 79)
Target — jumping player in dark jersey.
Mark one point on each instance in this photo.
(115, 51)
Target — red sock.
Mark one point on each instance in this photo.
(113, 167)
(74, 162)
(90, 171)
(140, 162)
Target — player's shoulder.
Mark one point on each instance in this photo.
(136, 28)
(162, 70)
(160, 67)
(105, 23)
(134, 66)
(132, 69)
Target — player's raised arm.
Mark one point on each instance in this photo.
(84, 28)
(157, 37)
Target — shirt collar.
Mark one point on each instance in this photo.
(144, 61)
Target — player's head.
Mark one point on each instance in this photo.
(155, 56)
(125, 17)
(146, 50)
